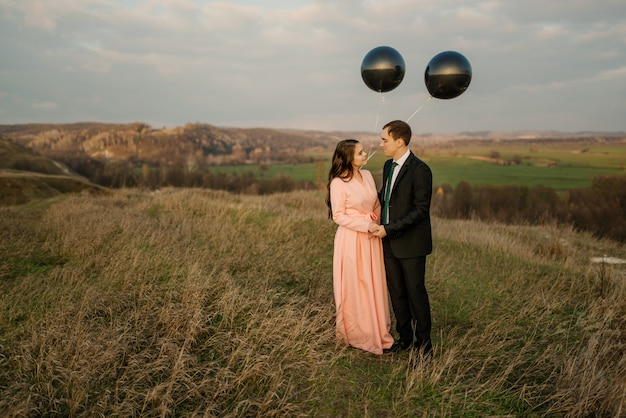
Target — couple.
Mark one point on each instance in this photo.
(402, 233)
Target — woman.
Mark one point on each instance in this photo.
(358, 270)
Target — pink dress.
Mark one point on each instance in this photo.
(359, 280)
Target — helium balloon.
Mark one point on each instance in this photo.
(448, 75)
(382, 69)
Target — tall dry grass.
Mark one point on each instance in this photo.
(201, 303)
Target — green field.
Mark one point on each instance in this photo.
(560, 167)
(295, 171)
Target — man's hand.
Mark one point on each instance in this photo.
(379, 232)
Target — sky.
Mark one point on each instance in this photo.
(536, 64)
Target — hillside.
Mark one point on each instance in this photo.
(189, 302)
(26, 176)
(143, 144)
(14, 156)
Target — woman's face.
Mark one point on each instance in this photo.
(360, 157)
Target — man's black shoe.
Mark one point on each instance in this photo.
(397, 347)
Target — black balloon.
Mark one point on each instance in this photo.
(448, 75)
(382, 69)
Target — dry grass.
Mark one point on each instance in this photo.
(20, 187)
(200, 303)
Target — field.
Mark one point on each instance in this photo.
(188, 302)
(304, 171)
(560, 167)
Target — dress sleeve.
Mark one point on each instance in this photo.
(338, 199)
(377, 207)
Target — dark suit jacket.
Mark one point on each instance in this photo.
(408, 230)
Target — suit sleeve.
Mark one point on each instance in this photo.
(421, 193)
(338, 199)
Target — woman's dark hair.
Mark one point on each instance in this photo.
(341, 166)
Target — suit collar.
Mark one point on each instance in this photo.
(409, 159)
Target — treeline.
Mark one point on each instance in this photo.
(119, 174)
(600, 209)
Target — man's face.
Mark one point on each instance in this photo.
(389, 145)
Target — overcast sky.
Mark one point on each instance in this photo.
(536, 64)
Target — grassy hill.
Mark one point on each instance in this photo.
(27, 176)
(191, 302)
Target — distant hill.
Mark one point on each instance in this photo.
(26, 176)
(140, 143)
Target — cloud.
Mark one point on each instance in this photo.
(573, 12)
(296, 63)
(44, 105)
(37, 15)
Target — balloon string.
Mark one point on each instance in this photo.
(382, 99)
(370, 154)
(419, 108)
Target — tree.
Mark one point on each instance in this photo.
(462, 200)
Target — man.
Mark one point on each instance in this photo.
(407, 240)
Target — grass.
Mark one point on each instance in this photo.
(201, 303)
(304, 171)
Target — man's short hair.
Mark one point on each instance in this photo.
(399, 129)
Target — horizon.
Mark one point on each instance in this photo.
(476, 132)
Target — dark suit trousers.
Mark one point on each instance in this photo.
(409, 298)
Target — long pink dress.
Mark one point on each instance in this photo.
(359, 280)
